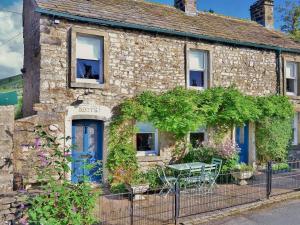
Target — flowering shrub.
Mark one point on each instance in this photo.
(61, 202)
(227, 149)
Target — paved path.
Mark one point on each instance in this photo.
(286, 213)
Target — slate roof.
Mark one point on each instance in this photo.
(153, 15)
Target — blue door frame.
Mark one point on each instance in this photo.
(242, 139)
(87, 139)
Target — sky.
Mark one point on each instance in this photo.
(11, 45)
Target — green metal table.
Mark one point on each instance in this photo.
(189, 166)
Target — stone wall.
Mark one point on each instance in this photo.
(7, 114)
(12, 206)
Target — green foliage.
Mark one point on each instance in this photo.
(275, 106)
(280, 166)
(61, 202)
(180, 111)
(202, 154)
(152, 178)
(118, 188)
(290, 16)
(228, 164)
(177, 112)
(242, 167)
(273, 130)
(227, 107)
(272, 139)
(64, 204)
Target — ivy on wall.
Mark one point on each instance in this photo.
(180, 111)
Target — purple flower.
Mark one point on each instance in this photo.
(37, 143)
(23, 221)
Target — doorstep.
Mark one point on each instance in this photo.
(207, 218)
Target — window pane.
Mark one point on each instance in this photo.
(88, 48)
(145, 142)
(196, 59)
(290, 85)
(295, 129)
(78, 142)
(196, 139)
(197, 78)
(242, 135)
(93, 138)
(88, 69)
(291, 68)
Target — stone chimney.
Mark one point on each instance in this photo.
(262, 12)
(187, 6)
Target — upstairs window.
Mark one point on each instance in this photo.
(198, 69)
(146, 139)
(291, 78)
(89, 59)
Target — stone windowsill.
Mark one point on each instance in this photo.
(87, 85)
(150, 158)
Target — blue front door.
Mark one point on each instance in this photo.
(242, 139)
(87, 139)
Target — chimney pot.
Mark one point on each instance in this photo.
(187, 6)
(262, 12)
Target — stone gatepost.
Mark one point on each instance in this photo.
(7, 114)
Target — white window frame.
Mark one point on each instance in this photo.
(153, 152)
(99, 81)
(295, 65)
(200, 130)
(206, 67)
(295, 128)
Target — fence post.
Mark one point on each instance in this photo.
(269, 179)
(177, 202)
(131, 206)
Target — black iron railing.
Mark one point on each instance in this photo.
(152, 207)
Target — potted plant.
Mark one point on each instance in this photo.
(241, 172)
(138, 185)
(281, 168)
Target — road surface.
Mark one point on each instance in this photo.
(285, 213)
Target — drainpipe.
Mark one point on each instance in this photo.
(278, 70)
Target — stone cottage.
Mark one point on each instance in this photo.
(84, 57)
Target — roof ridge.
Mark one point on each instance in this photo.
(229, 17)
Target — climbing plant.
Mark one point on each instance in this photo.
(273, 130)
(180, 111)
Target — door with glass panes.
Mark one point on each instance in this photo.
(87, 139)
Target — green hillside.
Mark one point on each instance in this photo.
(14, 83)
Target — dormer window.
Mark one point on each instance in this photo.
(89, 59)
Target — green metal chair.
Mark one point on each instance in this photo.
(217, 163)
(167, 181)
(194, 179)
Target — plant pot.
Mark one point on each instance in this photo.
(242, 176)
(138, 190)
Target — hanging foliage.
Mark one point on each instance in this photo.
(180, 111)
